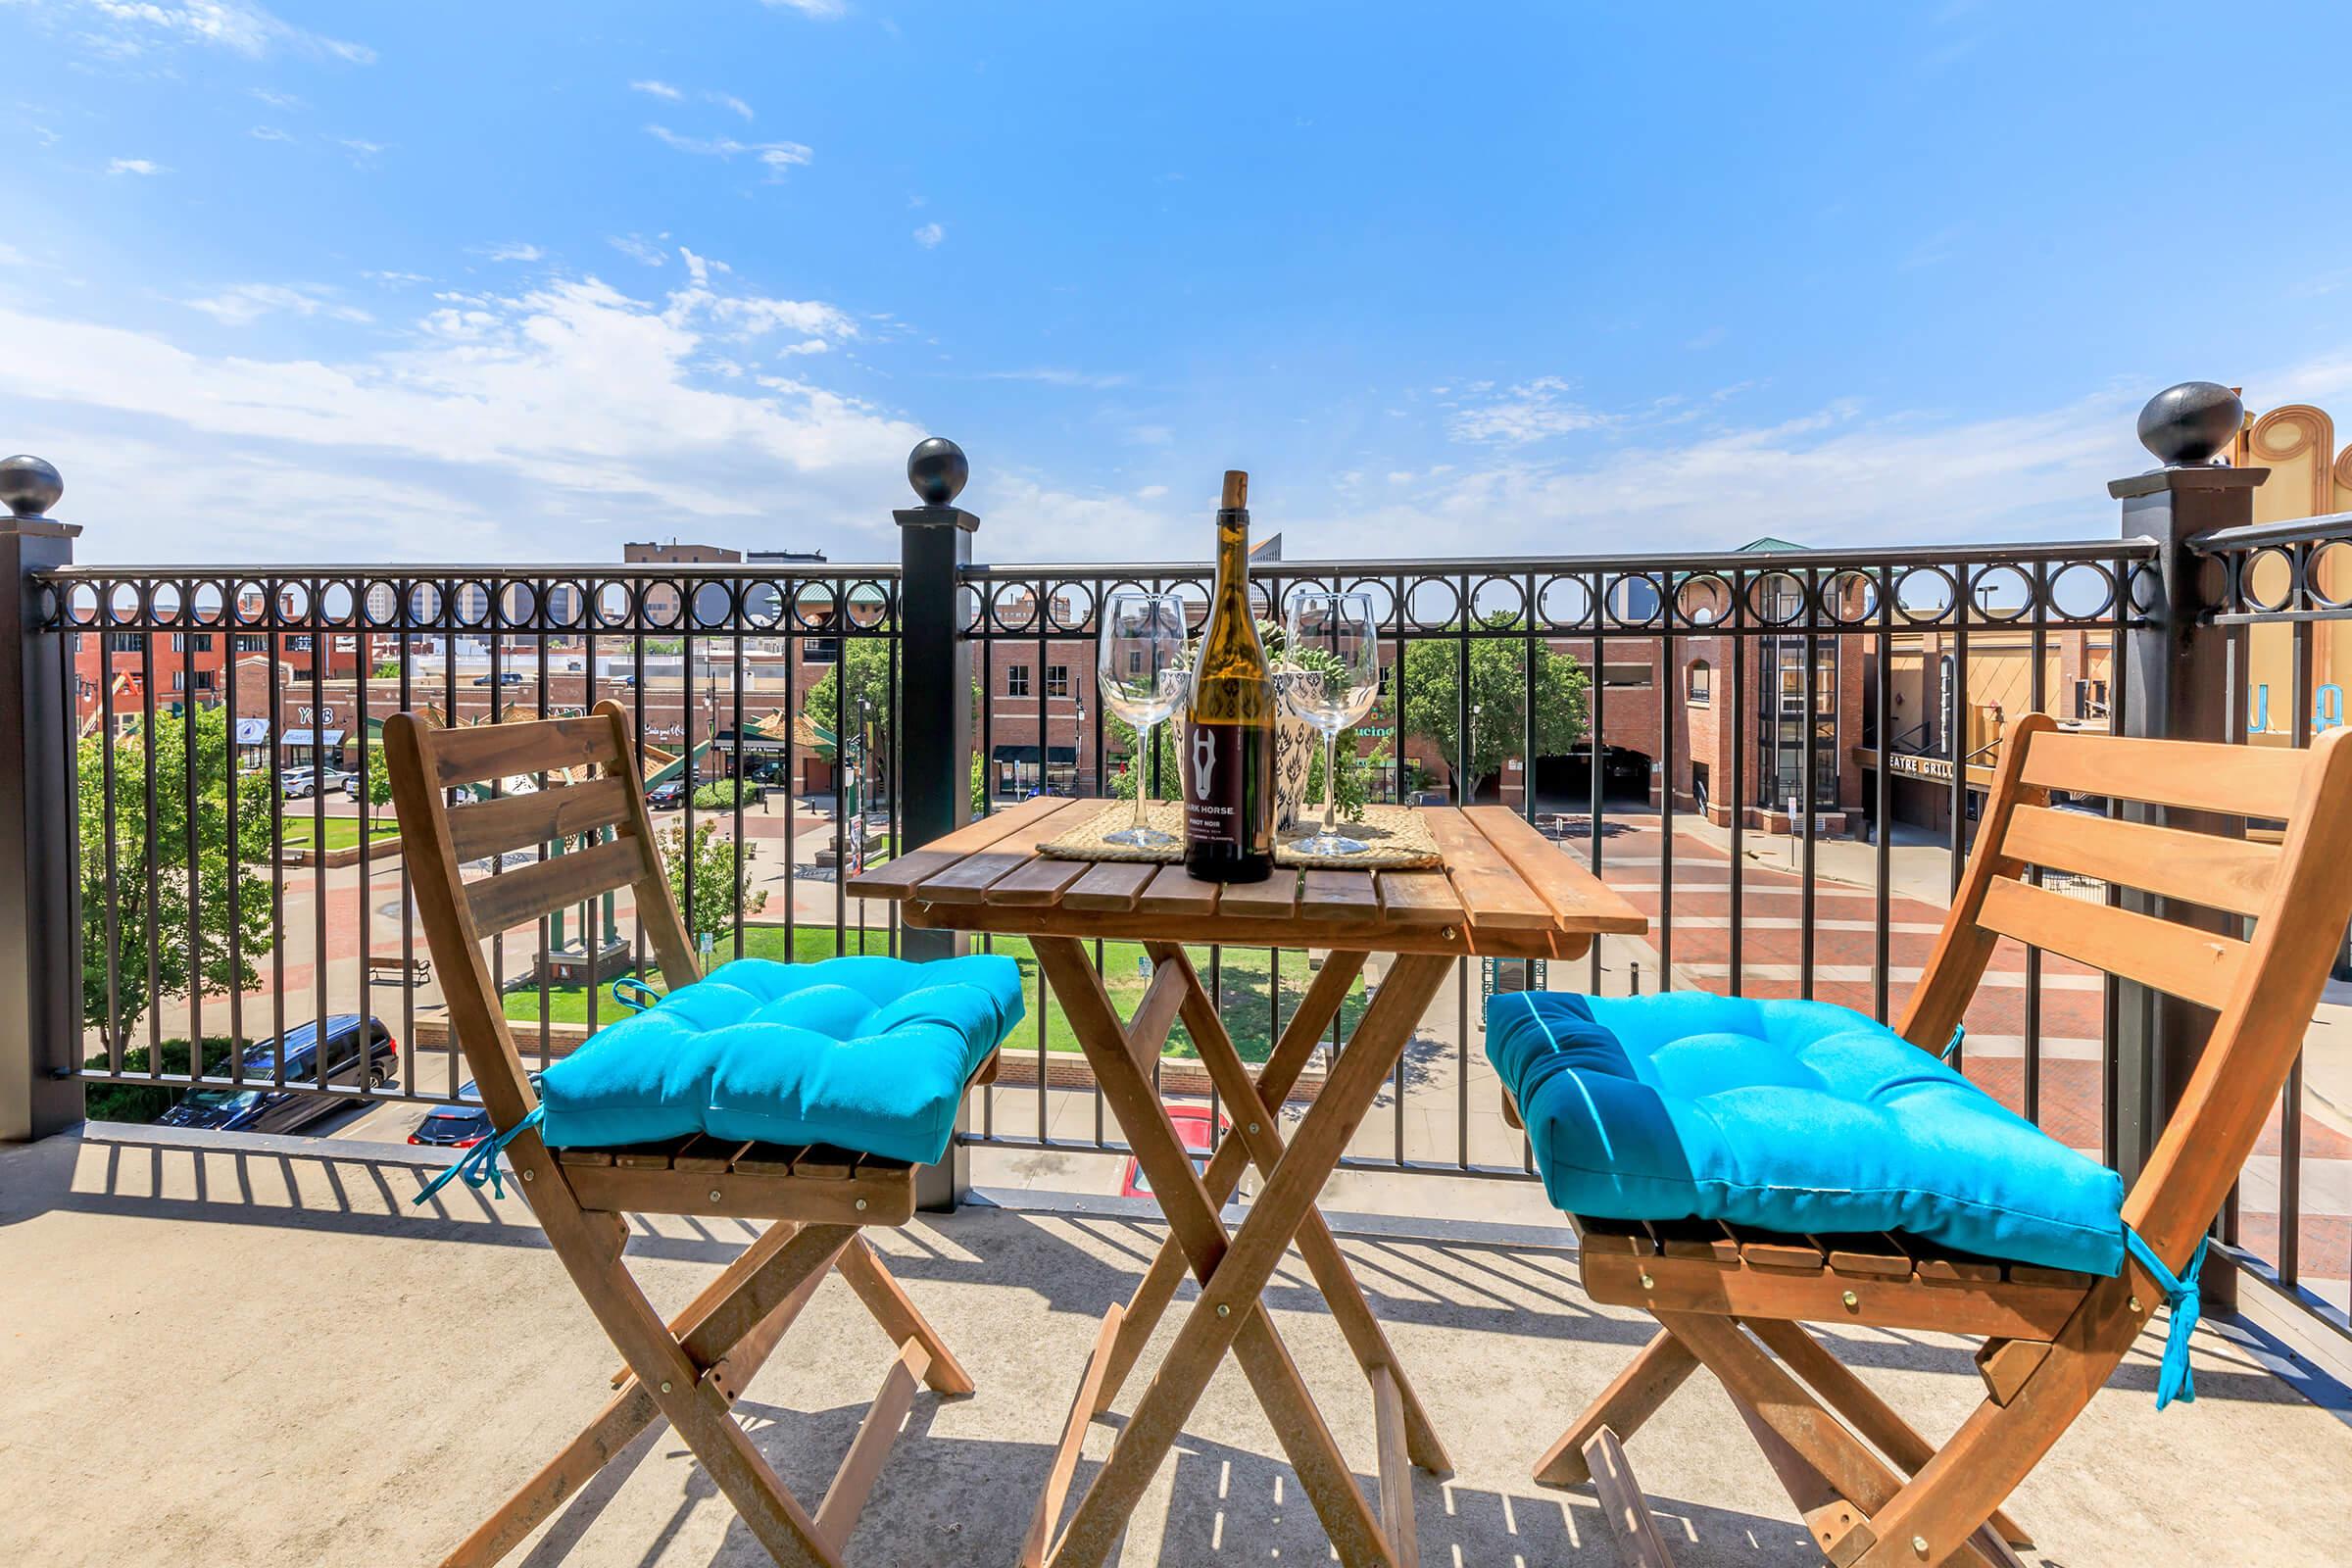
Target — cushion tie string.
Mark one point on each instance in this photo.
(2176, 1379)
(1952, 1047)
(481, 1163)
(634, 994)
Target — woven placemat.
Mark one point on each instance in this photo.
(1398, 836)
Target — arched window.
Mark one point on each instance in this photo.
(1700, 683)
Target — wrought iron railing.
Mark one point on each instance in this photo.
(2281, 595)
(197, 696)
(1724, 759)
(1754, 619)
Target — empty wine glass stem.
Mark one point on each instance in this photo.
(1142, 756)
(1331, 784)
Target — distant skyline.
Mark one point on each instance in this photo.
(367, 282)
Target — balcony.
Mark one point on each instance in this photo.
(253, 1349)
(1745, 745)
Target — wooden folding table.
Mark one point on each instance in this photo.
(1504, 892)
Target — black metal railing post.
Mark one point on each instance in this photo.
(935, 713)
(40, 984)
(2177, 680)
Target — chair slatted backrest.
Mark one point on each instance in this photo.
(604, 804)
(2297, 895)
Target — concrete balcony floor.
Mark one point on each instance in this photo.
(255, 1352)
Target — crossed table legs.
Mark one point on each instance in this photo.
(1234, 1268)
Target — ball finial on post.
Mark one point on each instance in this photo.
(936, 468)
(29, 486)
(2188, 425)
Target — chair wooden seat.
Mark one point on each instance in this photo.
(1890, 1280)
(589, 807)
(2224, 919)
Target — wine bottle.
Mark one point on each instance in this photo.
(1228, 763)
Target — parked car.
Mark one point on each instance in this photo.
(506, 678)
(357, 1051)
(301, 783)
(461, 1124)
(1192, 1126)
(351, 786)
(455, 1126)
(666, 796)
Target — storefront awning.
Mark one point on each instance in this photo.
(302, 737)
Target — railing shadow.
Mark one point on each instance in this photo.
(1074, 1263)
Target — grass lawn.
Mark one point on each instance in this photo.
(342, 832)
(1243, 987)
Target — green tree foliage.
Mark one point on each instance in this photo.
(719, 795)
(379, 790)
(979, 785)
(723, 894)
(1499, 689)
(864, 662)
(139, 915)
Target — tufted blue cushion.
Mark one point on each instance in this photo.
(866, 1053)
(1795, 1116)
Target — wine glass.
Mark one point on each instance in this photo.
(1332, 642)
(1140, 671)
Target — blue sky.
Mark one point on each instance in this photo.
(422, 280)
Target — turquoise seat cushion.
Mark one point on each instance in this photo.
(867, 1053)
(1797, 1116)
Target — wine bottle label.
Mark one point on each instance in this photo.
(1229, 785)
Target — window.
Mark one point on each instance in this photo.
(1016, 680)
(180, 680)
(1625, 674)
(125, 642)
(251, 643)
(820, 650)
(298, 645)
(1058, 681)
(204, 680)
(201, 641)
(1701, 678)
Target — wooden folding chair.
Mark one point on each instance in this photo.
(691, 1370)
(1873, 1492)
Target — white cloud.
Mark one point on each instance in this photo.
(233, 25)
(268, 133)
(777, 156)
(930, 236)
(638, 248)
(396, 279)
(729, 102)
(362, 152)
(1532, 410)
(134, 166)
(571, 412)
(821, 9)
(659, 89)
(516, 251)
(247, 303)
(277, 100)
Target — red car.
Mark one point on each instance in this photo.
(1191, 1125)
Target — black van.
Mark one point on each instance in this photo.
(357, 1052)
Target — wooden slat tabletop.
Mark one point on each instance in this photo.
(1503, 891)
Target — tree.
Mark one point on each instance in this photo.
(379, 793)
(723, 895)
(866, 662)
(1498, 690)
(120, 840)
